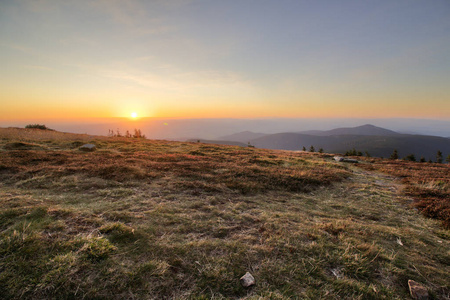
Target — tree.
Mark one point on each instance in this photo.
(422, 159)
(394, 154)
(351, 152)
(439, 157)
(367, 154)
(320, 150)
(448, 159)
(304, 148)
(410, 157)
(311, 149)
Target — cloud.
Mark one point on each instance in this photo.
(37, 67)
(178, 81)
(21, 48)
(139, 17)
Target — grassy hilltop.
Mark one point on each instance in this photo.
(143, 219)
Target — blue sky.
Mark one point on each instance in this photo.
(225, 58)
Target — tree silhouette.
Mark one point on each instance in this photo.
(394, 154)
(439, 157)
(410, 157)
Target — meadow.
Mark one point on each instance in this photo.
(427, 183)
(150, 219)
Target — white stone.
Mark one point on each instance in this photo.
(88, 147)
(247, 280)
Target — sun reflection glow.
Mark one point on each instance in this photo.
(134, 115)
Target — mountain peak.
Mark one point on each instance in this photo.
(367, 129)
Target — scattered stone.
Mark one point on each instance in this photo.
(88, 147)
(337, 272)
(247, 280)
(343, 159)
(417, 291)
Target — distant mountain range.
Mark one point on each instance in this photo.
(360, 130)
(377, 141)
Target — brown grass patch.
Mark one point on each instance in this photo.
(427, 183)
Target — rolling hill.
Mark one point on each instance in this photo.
(376, 141)
(243, 137)
(359, 130)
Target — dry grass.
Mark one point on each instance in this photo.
(427, 183)
(170, 220)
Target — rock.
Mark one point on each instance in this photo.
(247, 280)
(337, 272)
(343, 159)
(88, 147)
(350, 160)
(417, 290)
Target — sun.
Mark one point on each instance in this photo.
(134, 115)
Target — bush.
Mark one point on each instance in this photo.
(37, 126)
(410, 157)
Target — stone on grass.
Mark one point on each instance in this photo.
(344, 159)
(247, 280)
(417, 290)
(88, 147)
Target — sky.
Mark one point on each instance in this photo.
(224, 59)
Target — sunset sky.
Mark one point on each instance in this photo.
(234, 58)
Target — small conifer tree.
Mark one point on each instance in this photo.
(439, 157)
(312, 149)
(394, 154)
